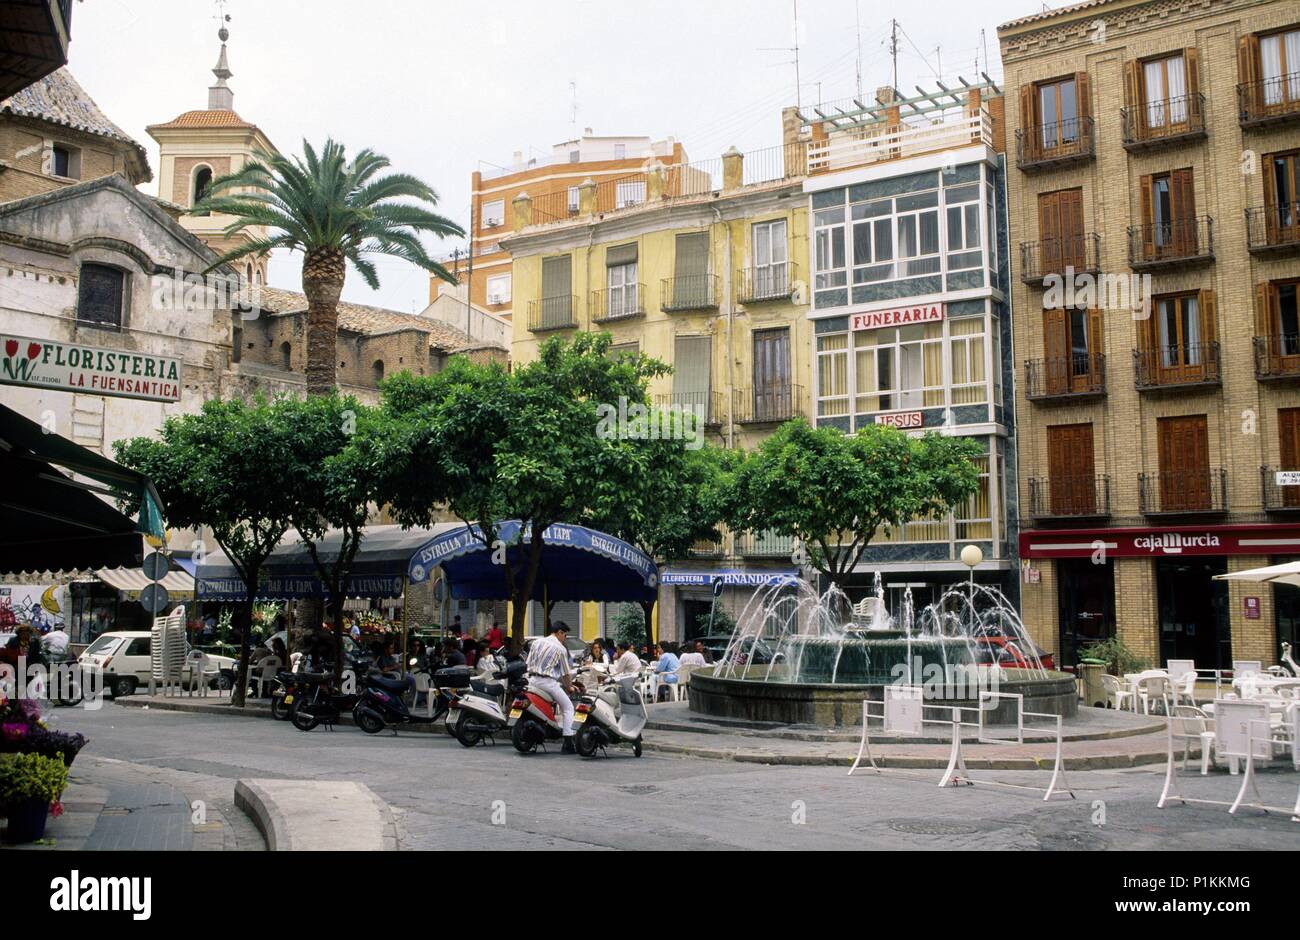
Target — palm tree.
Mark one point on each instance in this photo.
(334, 211)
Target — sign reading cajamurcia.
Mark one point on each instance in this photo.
(72, 367)
(896, 316)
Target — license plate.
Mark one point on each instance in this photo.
(515, 713)
(288, 700)
(452, 716)
(579, 718)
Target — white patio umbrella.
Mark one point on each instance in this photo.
(1288, 573)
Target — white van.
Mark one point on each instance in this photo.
(127, 662)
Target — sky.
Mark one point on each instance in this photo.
(440, 85)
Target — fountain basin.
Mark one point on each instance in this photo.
(837, 705)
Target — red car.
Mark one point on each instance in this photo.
(1006, 652)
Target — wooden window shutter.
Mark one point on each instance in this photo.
(1263, 318)
(1183, 196)
(1096, 338)
(1083, 88)
(1209, 316)
(1028, 132)
(1192, 62)
(1270, 195)
(1056, 351)
(1133, 99)
(1248, 67)
(1148, 217)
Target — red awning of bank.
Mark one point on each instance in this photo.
(1162, 541)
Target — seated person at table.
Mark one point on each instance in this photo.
(667, 666)
(390, 664)
(627, 663)
(451, 654)
(695, 657)
(598, 653)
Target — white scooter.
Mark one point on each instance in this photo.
(479, 711)
(614, 714)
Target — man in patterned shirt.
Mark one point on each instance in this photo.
(549, 671)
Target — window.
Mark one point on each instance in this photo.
(771, 273)
(629, 193)
(65, 161)
(1060, 229)
(620, 151)
(974, 518)
(622, 299)
(1058, 114)
(1279, 63)
(692, 287)
(918, 233)
(1282, 195)
(286, 357)
(498, 289)
(1072, 350)
(494, 213)
(833, 375)
(573, 200)
(831, 271)
(101, 295)
(556, 306)
(202, 182)
(1178, 341)
(1178, 325)
(969, 377)
(1168, 215)
(1164, 91)
(691, 362)
(772, 390)
(574, 156)
(618, 350)
(963, 209)
(899, 368)
(1280, 321)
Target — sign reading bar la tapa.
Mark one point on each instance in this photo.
(72, 367)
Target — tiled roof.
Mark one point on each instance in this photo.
(1049, 14)
(206, 119)
(58, 99)
(373, 321)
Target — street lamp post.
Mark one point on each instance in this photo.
(971, 556)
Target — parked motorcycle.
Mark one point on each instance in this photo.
(481, 710)
(288, 686)
(382, 701)
(614, 714)
(319, 701)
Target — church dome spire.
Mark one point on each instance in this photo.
(220, 96)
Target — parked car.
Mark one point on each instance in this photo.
(1006, 652)
(125, 657)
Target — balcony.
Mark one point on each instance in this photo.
(706, 404)
(762, 284)
(1276, 497)
(876, 142)
(1269, 101)
(1052, 146)
(1059, 258)
(706, 548)
(618, 303)
(552, 313)
(1183, 492)
(1273, 229)
(1065, 378)
(1277, 357)
(772, 404)
(1165, 123)
(764, 545)
(1181, 243)
(1171, 367)
(689, 292)
(1086, 497)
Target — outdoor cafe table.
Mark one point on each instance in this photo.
(1131, 680)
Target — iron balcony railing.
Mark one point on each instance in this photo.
(689, 292)
(1277, 496)
(618, 303)
(1060, 256)
(1277, 357)
(708, 405)
(1078, 497)
(1171, 492)
(769, 282)
(552, 313)
(764, 545)
(1269, 100)
(706, 548)
(1168, 244)
(769, 404)
(1168, 121)
(1273, 228)
(1176, 366)
(1081, 376)
(1043, 146)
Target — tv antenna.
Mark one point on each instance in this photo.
(798, 85)
(573, 107)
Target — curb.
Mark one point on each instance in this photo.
(258, 806)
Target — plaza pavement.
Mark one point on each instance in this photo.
(440, 795)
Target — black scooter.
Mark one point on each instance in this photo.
(382, 704)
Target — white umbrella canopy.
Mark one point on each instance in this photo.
(1288, 573)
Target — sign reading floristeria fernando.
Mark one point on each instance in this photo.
(71, 367)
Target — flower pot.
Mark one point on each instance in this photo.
(27, 821)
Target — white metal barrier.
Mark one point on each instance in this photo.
(902, 712)
(1242, 730)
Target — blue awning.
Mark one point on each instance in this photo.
(578, 564)
(730, 577)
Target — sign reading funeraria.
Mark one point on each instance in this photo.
(71, 367)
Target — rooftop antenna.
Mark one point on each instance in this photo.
(798, 84)
(985, 43)
(893, 49)
(857, 10)
(573, 111)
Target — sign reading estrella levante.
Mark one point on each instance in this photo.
(896, 316)
(71, 367)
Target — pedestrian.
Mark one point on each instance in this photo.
(550, 672)
(495, 639)
(456, 628)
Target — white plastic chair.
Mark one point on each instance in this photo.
(263, 674)
(1246, 667)
(684, 679)
(1184, 690)
(199, 668)
(1151, 689)
(1190, 723)
(1117, 694)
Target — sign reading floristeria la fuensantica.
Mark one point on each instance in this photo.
(72, 367)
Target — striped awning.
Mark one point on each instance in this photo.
(133, 581)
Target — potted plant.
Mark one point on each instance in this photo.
(30, 787)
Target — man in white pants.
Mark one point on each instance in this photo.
(549, 671)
